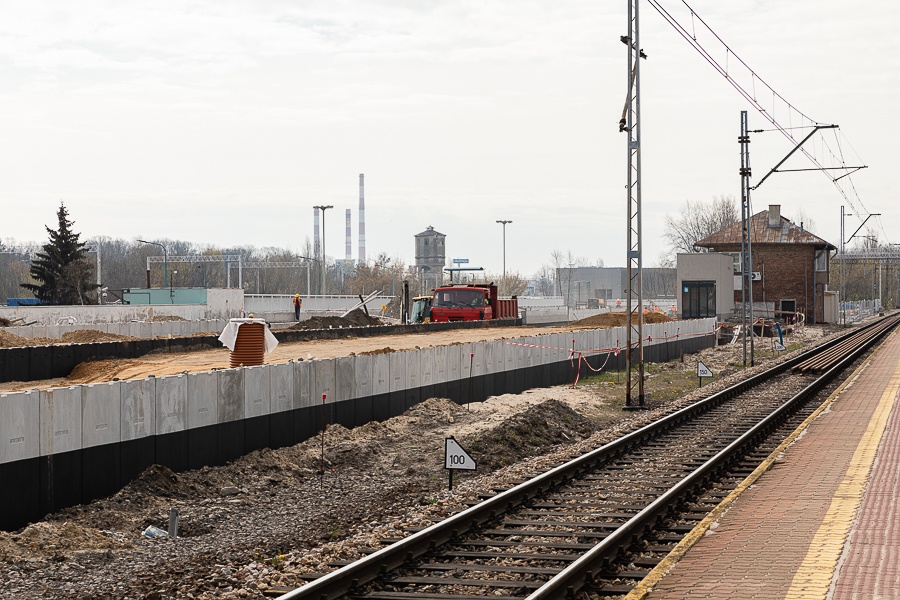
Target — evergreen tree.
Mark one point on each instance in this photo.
(62, 271)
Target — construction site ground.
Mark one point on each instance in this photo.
(267, 520)
(204, 360)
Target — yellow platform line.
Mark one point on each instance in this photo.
(814, 575)
(643, 589)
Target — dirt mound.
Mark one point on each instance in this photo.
(98, 370)
(87, 336)
(81, 336)
(161, 318)
(44, 540)
(11, 340)
(385, 350)
(5, 322)
(529, 433)
(617, 319)
(357, 318)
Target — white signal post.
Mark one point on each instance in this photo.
(703, 371)
(456, 458)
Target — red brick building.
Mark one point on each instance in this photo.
(791, 264)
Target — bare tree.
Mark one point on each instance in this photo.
(698, 220)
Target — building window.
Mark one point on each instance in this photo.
(822, 261)
(698, 299)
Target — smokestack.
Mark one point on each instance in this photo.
(362, 221)
(315, 232)
(349, 238)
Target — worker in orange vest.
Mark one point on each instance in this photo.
(298, 304)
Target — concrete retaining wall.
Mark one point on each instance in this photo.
(142, 329)
(66, 446)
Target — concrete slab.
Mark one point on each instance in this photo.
(171, 404)
(303, 372)
(398, 376)
(426, 366)
(257, 400)
(230, 387)
(324, 384)
(20, 426)
(281, 387)
(344, 378)
(381, 371)
(60, 418)
(439, 361)
(202, 399)
(413, 369)
(454, 359)
(101, 414)
(363, 375)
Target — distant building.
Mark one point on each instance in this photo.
(790, 266)
(581, 285)
(431, 257)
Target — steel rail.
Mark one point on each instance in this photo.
(344, 580)
(579, 573)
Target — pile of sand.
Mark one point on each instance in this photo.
(357, 318)
(617, 319)
(81, 336)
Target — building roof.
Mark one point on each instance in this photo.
(429, 232)
(761, 233)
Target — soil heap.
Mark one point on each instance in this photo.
(357, 318)
(617, 319)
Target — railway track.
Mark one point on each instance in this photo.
(599, 522)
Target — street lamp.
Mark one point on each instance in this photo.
(165, 262)
(504, 223)
(323, 209)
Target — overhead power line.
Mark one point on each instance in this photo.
(764, 98)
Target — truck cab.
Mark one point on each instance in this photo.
(463, 303)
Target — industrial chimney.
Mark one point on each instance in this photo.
(362, 221)
(349, 239)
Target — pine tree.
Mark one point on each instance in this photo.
(62, 271)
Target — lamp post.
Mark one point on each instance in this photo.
(165, 262)
(504, 223)
(323, 209)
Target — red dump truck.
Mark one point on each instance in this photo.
(471, 302)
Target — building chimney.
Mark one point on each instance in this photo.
(349, 239)
(774, 215)
(315, 232)
(362, 221)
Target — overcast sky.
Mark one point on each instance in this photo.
(225, 122)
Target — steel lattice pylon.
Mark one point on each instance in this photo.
(631, 124)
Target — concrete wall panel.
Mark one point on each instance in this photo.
(303, 372)
(60, 418)
(257, 398)
(281, 386)
(363, 376)
(202, 395)
(138, 412)
(381, 371)
(101, 414)
(439, 359)
(324, 383)
(454, 362)
(426, 366)
(484, 358)
(397, 374)
(344, 378)
(230, 386)
(171, 404)
(20, 433)
(467, 361)
(413, 369)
